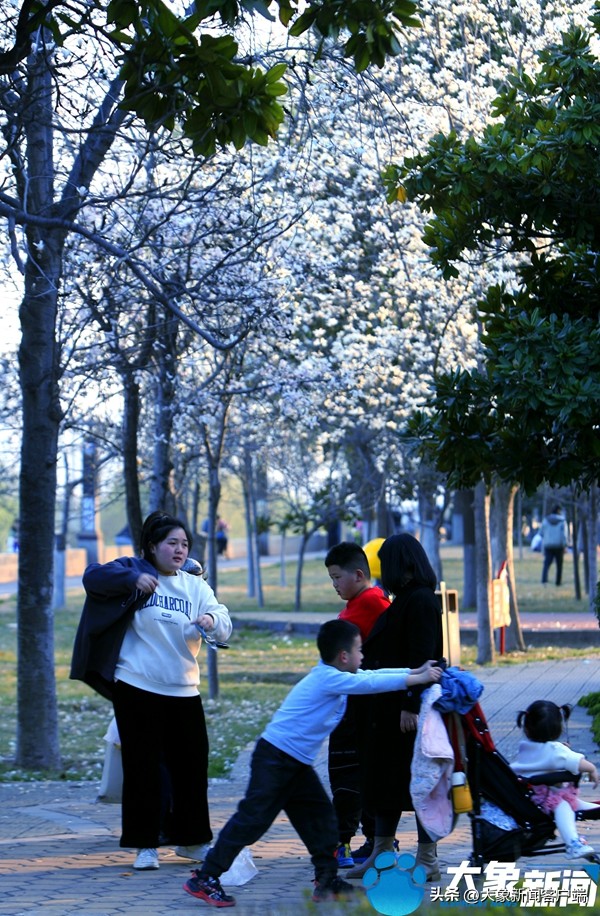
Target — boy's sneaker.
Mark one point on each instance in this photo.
(343, 855)
(208, 889)
(577, 849)
(146, 859)
(332, 889)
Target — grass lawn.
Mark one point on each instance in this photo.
(254, 674)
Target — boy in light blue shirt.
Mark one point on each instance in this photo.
(282, 777)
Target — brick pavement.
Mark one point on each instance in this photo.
(59, 852)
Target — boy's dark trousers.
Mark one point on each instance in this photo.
(277, 783)
(344, 779)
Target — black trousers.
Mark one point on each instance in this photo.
(277, 783)
(345, 779)
(553, 555)
(162, 737)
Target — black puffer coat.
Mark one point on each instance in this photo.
(406, 635)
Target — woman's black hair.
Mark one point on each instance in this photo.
(157, 527)
(404, 560)
(543, 720)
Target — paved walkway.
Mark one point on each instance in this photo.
(59, 852)
(570, 629)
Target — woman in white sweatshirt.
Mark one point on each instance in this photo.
(155, 695)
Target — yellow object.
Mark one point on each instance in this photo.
(371, 549)
(462, 801)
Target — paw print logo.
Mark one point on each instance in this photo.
(593, 871)
(394, 886)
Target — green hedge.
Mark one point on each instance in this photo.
(591, 701)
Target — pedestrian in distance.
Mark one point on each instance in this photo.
(348, 569)
(222, 537)
(541, 751)
(282, 777)
(555, 537)
(137, 644)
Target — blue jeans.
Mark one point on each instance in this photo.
(277, 783)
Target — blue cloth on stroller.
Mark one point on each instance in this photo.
(460, 691)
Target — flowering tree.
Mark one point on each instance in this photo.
(186, 75)
(152, 64)
(375, 321)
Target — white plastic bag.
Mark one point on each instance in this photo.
(242, 870)
(111, 784)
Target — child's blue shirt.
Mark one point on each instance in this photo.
(317, 703)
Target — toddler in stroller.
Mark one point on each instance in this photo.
(541, 752)
(506, 823)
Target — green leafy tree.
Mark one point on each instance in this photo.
(528, 187)
(180, 73)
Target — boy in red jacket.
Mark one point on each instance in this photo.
(348, 569)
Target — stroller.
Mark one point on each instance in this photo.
(505, 823)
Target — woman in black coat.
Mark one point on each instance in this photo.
(406, 635)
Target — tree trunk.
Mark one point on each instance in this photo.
(214, 497)
(367, 481)
(464, 519)
(485, 642)
(592, 540)
(161, 484)
(39, 366)
(584, 527)
(282, 563)
(130, 430)
(430, 519)
(576, 545)
(301, 552)
(199, 551)
(519, 516)
(250, 574)
(60, 550)
(60, 546)
(253, 533)
(258, 540)
(385, 525)
(260, 490)
(37, 713)
(501, 529)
